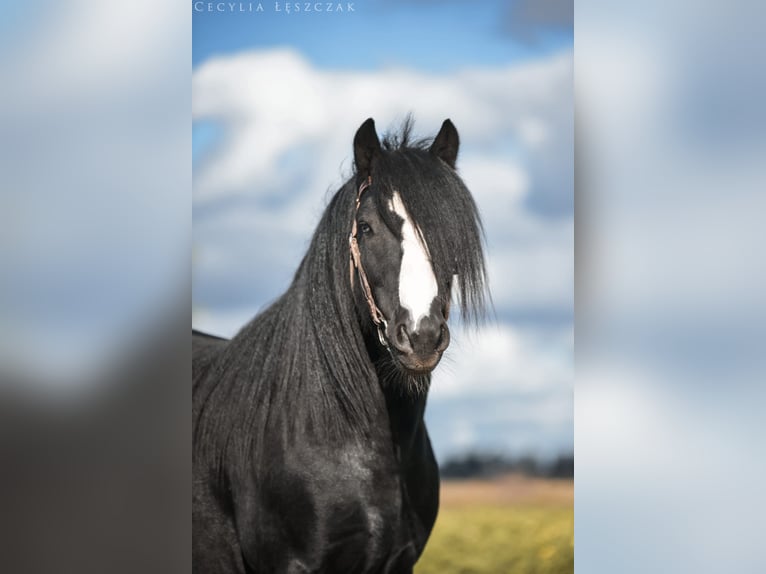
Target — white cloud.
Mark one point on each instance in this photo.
(536, 272)
(274, 102)
(463, 435)
(533, 131)
(501, 359)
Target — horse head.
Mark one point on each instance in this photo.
(405, 244)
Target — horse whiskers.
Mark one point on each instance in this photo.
(390, 375)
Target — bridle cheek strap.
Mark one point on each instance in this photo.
(355, 262)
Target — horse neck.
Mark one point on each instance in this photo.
(404, 406)
(405, 414)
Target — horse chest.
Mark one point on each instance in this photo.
(341, 511)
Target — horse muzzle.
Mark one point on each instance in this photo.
(419, 350)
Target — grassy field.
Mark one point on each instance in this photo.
(513, 525)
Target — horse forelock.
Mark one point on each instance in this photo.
(442, 210)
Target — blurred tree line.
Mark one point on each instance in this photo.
(489, 465)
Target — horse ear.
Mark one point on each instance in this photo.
(366, 147)
(446, 143)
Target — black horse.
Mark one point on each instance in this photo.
(310, 450)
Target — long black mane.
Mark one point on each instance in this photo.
(304, 362)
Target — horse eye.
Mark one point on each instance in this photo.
(364, 227)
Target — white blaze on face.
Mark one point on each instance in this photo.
(417, 282)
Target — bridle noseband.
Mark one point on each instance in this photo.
(355, 261)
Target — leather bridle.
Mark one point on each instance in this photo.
(355, 261)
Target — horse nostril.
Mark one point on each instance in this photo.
(402, 339)
(443, 341)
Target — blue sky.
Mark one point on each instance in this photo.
(276, 101)
(428, 35)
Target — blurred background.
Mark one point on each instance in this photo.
(95, 250)
(277, 98)
(671, 277)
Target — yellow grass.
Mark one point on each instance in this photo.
(512, 525)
